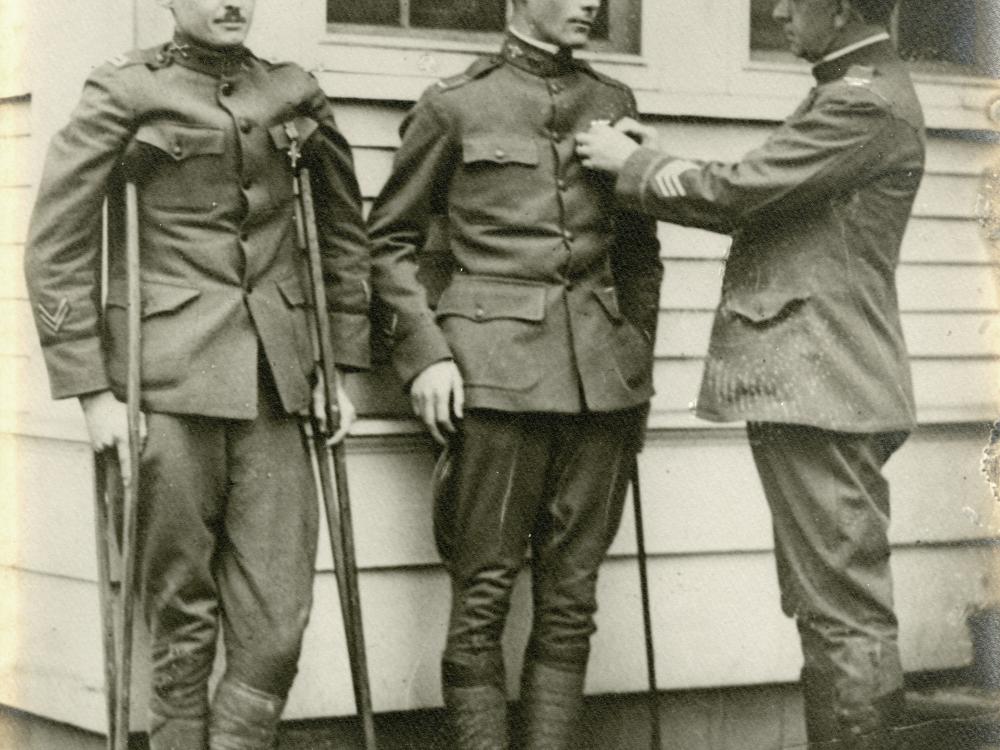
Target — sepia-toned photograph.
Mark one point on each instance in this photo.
(500, 375)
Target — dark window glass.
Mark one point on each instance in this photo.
(951, 35)
(369, 12)
(468, 15)
(617, 27)
(944, 36)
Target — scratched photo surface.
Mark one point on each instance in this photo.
(715, 286)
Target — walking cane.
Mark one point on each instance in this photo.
(329, 461)
(647, 619)
(118, 597)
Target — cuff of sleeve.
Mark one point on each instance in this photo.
(76, 367)
(634, 176)
(350, 334)
(418, 350)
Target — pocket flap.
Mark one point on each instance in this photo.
(303, 127)
(181, 141)
(291, 289)
(156, 298)
(765, 306)
(489, 299)
(500, 150)
(608, 297)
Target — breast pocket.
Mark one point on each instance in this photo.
(497, 172)
(181, 166)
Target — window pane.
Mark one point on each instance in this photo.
(946, 36)
(466, 15)
(372, 12)
(765, 32)
(601, 26)
(949, 35)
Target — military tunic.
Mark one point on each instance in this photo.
(553, 303)
(228, 515)
(808, 329)
(206, 143)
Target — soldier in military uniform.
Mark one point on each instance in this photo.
(536, 363)
(807, 345)
(228, 515)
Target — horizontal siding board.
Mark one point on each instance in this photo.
(691, 509)
(15, 118)
(927, 288)
(946, 241)
(947, 196)
(15, 210)
(15, 161)
(373, 166)
(369, 125)
(716, 622)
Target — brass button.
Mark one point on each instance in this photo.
(226, 89)
(561, 184)
(480, 313)
(247, 184)
(245, 126)
(568, 235)
(244, 237)
(500, 154)
(177, 149)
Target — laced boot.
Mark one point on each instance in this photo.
(551, 699)
(477, 717)
(244, 718)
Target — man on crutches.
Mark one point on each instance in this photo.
(227, 522)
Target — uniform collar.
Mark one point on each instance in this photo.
(528, 56)
(213, 61)
(873, 50)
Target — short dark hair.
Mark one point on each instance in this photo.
(875, 11)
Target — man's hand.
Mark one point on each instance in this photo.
(107, 424)
(437, 393)
(606, 148)
(348, 414)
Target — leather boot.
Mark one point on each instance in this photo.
(551, 699)
(177, 734)
(244, 718)
(868, 730)
(477, 717)
(822, 727)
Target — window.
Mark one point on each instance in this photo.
(617, 26)
(937, 36)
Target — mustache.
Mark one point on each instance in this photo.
(233, 15)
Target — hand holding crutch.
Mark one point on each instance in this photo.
(326, 453)
(116, 494)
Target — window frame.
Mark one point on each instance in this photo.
(489, 39)
(695, 62)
